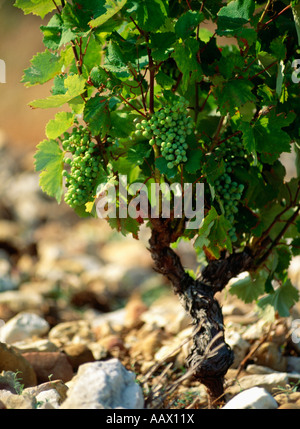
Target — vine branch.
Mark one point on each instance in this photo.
(275, 242)
(275, 17)
(57, 8)
(132, 106)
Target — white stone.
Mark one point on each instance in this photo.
(167, 313)
(255, 399)
(74, 331)
(48, 397)
(116, 319)
(259, 369)
(22, 326)
(19, 301)
(35, 345)
(256, 331)
(266, 381)
(104, 384)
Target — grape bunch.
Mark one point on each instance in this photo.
(83, 166)
(168, 129)
(227, 189)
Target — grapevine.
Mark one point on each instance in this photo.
(83, 166)
(168, 129)
(163, 100)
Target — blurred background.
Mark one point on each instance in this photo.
(20, 40)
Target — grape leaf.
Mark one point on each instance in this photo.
(62, 122)
(187, 23)
(111, 7)
(247, 111)
(44, 66)
(213, 168)
(96, 114)
(138, 153)
(74, 85)
(49, 160)
(115, 60)
(186, 60)
(249, 288)
(56, 33)
(125, 226)
(150, 14)
(99, 76)
(58, 86)
(213, 234)
(36, 7)
(122, 124)
(52, 32)
(278, 48)
(82, 212)
(162, 45)
(162, 165)
(164, 80)
(232, 94)
(233, 16)
(284, 258)
(194, 162)
(282, 299)
(231, 61)
(296, 15)
(269, 136)
(296, 246)
(204, 231)
(248, 138)
(219, 238)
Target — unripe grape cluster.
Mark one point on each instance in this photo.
(84, 166)
(168, 129)
(229, 191)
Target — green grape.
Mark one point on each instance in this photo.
(168, 129)
(84, 166)
(230, 192)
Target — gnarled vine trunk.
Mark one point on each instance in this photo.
(198, 298)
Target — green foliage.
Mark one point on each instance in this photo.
(37, 7)
(74, 86)
(49, 160)
(44, 67)
(59, 125)
(118, 65)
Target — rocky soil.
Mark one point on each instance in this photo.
(85, 322)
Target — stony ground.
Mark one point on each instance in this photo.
(77, 298)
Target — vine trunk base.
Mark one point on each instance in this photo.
(210, 357)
